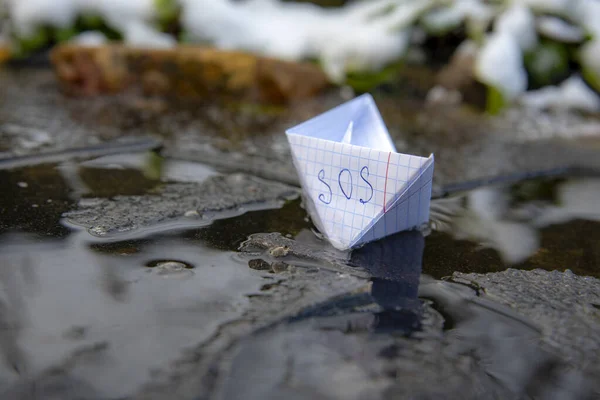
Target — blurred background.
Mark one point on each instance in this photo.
(491, 53)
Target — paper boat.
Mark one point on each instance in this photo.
(357, 188)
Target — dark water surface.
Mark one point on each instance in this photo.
(113, 314)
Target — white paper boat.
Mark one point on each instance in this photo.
(356, 186)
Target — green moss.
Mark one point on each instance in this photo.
(45, 35)
(547, 64)
(365, 81)
(26, 45)
(185, 37)
(90, 21)
(168, 14)
(495, 101)
(64, 34)
(257, 109)
(153, 168)
(475, 31)
(592, 77)
(93, 22)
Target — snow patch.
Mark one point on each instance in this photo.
(519, 22)
(500, 65)
(363, 36)
(558, 29)
(573, 93)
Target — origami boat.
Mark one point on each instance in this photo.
(357, 187)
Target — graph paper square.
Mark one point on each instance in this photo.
(357, 187)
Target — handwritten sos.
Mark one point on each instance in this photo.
(346, 187)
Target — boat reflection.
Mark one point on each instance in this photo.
(394, 264)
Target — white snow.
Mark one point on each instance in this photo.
(500, 65)
(519, 22)
(567, 8)
(254, 26)
(500, 61)
(443, 19)
(589, 17)
(455, 12)
(140, 34)
(29, 14)
(361, 36)
(573, 93)
(589, 55)
(342, 54)
(559, 30)
(90, 39)
(405, 14)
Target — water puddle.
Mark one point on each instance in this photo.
(33, 200)
(142, 308)
(405, 332)
(107, 315)
(359, 341)
(409, 330)
(551, 223)
(111, 313)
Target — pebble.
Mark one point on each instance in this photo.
(191, 214)
(279, 251)
(259, 264)
(279, 267)
(172, 268)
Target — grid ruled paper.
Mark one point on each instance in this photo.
(362, 190)
(352, 186)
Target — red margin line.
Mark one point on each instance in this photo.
(387, 168)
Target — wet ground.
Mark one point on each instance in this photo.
(155, 251)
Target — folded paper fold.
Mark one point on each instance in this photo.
(357, 188)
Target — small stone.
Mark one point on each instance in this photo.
(279, 251)
(172, 268)
(22, 184)
(279, 267)
(259, 265)
(34, 206)
(191, 214)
